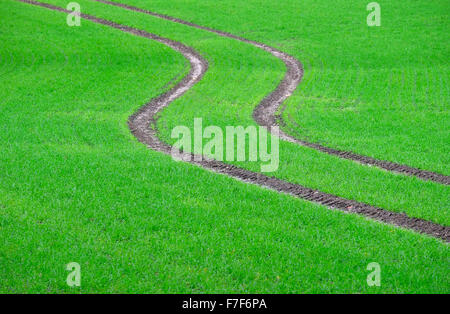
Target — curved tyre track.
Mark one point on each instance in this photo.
(143, 125)
(264, 113)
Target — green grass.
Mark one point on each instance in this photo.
(379, 91)
(245, 75)
(76, 186)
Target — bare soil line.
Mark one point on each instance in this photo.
(264, 113)
(143, 126)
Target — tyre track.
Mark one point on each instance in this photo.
(265, 113)
(143, 126)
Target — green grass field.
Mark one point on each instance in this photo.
(77, 186)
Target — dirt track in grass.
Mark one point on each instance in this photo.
(143, 125)
(264, 113)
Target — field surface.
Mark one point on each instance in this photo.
(76, 185)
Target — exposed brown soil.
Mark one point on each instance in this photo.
(143, 125)
(264, 113)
